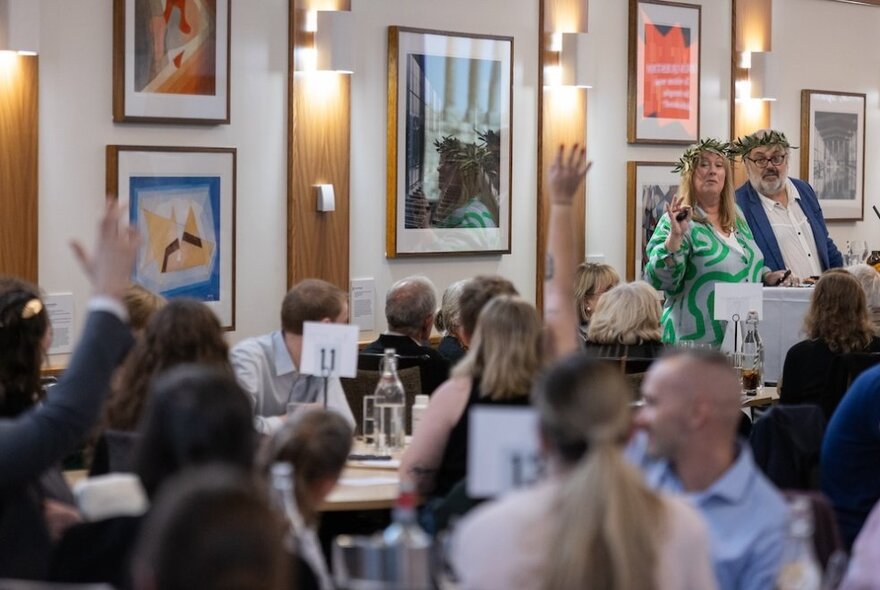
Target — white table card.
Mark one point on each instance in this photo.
(503, 450)
(329, 349)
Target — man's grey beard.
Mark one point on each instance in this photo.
(769, 188)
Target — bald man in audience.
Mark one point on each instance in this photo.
(267, 367)
(689, 446)
(410, 306)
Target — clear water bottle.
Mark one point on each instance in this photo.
(390, 407)
(284, 500)
(752, 362)
(800, 568)
(408, 546)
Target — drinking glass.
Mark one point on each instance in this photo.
(860, 250)
(368, 427)
(750, 371)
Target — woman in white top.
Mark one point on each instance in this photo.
(593, 523)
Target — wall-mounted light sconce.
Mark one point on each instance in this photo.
(574, 57)
(326, 197)
(758, 82)
(20, 26)
(331, 50)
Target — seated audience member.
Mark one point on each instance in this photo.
(592, 523)
(850, 461)
(195, 415)
(689, 446)
(141, 304)
(212, 529)
(266, 366)
(41, 435)
(409, 311)
(183, 331)
(626, 323)
(316, 444)
(507, 349)
(448, 321)
(836, 323)
(475, 294)
(869, 279)
(862, 571)
(591, 281)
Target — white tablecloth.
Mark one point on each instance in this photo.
(782, 326)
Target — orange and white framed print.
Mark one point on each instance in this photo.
(171, 61)
(664, 72)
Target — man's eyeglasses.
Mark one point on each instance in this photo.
(762, 162)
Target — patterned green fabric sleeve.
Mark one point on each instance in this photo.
(664, 270)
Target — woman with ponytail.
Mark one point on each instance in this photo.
(592, 523)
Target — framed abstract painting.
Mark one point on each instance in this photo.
(650, 186)
(182, 202)
(171, 61)
(663, 103)
(449, 143)
(833, 151)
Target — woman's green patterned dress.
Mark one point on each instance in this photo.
(688, 277)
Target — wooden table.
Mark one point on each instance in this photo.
(347, 495)
(768, 397)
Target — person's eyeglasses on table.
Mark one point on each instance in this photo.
(762, 162)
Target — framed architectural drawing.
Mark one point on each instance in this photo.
(663, 104)
(449, 143)
(182, 202)
(171, 61)
(833, 151)
(649, 187)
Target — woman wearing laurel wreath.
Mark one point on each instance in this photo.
(702, 239)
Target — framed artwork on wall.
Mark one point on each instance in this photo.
(171, 61)
(649, 187)
(182, 202)
(663, 103)
(449, 143)
(833, 151)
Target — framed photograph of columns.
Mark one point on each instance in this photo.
(171, 61)
(449, 143)
(649, 187)
(833, 151)
(182, 202)
(663, 103)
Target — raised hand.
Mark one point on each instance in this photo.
(109, 266)
(567, 173)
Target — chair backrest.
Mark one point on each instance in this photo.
(844, 370)
(786, 442)
(369, 361)
(365, 384)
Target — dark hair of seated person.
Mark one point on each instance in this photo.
(195, 415)
(183, 331)
(211, 529)
(24, 325)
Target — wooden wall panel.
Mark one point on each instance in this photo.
(319, 145)
(562, 118)
(18, 165)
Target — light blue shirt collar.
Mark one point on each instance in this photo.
(283, 363)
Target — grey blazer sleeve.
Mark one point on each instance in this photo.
(32, 442)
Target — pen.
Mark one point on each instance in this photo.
(785, 275)
(875, 210)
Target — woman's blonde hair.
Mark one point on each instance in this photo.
(505, 353)
(626, 314)
(591, 278)
(606, 525)
(727, 206)
(838, 313)
(141, 304)
(448, 317)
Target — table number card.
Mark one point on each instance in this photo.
(329, 349)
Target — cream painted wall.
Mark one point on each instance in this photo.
(76, 125)
(829, 46)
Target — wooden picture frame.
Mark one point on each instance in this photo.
(449, 144)
(663, 103)
(833, 151)
(649, 186)
(171, 62)
(182, 201)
